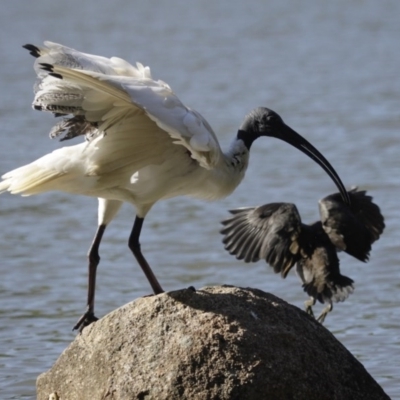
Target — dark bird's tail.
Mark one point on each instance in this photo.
(334, 289)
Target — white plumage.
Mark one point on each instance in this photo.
(142, 144)
(139, 122)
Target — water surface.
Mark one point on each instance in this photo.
(331, 71)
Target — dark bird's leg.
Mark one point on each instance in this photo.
(134, 245)
(325, 312)
(94, 259)
(309, 305)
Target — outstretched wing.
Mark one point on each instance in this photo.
(113, 95)
(269, 232)
(352, 229)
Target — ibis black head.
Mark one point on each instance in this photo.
(264, 122)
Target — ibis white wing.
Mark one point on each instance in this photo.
(57, 54)
(187, 127)
(108, 91)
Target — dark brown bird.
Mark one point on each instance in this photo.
(274, 232)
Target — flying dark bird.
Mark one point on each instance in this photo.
(274, 232)
(141, 145)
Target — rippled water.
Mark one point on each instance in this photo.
(330, 69)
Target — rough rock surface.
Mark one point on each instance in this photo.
(217, 343)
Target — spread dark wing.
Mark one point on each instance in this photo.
(352, 229)
(267, 232)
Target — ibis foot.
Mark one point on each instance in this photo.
(85, 321)
(152, 294)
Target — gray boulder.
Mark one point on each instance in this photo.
(216, 343)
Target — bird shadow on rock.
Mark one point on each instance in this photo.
(235, 302)
(249, 309)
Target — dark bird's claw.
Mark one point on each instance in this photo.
(324, 313)
(310, 311)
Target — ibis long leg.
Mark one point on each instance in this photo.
(94, 258)
(134, 245)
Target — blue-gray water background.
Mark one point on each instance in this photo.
(331, 69)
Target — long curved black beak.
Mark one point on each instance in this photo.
(290, 136)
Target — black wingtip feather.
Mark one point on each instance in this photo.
(54, 75)
(50, 69)
(33, 50)
(46, 67)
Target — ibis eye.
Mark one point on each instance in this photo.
(272, 119)
(266, 121)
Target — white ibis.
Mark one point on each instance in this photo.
(274, 232)
(141, 145)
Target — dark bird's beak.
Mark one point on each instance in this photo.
(290, 136)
